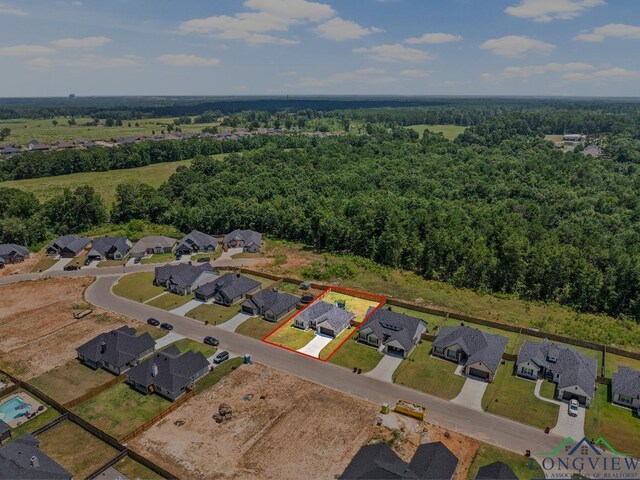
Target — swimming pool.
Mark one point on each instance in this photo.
(13, 408)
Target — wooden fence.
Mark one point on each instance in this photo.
(7, 390)
(123, 454)
(96, 391)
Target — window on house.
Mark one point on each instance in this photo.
(625, 399)
(452, 354)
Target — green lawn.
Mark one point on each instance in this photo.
(429, 319)
(512, 337)
(137, 286)
(615, 361)
(121, 409)
(616, 424)
(291, 337)
(159, 258)
(333, 344)
(258, 328)
(428, 374)
(548, 390)
(353, 354)
(44, 263)
(512, 397)
(450, 132)
(186, 344)
(522, 466)
(134, 470)
(218, 373)
(212, 313)
(170, 300)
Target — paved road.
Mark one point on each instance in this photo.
(483, 426)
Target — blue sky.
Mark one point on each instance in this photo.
(267, 47)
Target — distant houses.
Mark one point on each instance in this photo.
(67, 246)
(109, 248)
(394, 333)
(153, 244)
(248, 240)
(183, 279)
(12, 253)
(228, 289)
(197, 242)
(625, 388)
(271, 305)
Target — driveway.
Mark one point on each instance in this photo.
(168, 339)
(315, 346)
(59, 265)
(234, 322)
(190, 305)
(471, 394)
(569, 426)
(229, 253)
(385, 368)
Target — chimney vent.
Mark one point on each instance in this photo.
(35, 463)
(154, 370)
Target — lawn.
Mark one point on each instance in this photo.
(75, 449)
(137, 286)
(450, 132)
(212, 313)
(218, 373)
(333, 344)
(79, 260)
(512, 397)
(134, 470)
(615, 361)
(159, 258)
(121, 409)
(44, 264)
(291, 337)
(616, 424)
(186, 344)
(70, 381)
(548, 390)
(512, 337)
(258, 328)
(355, 305)
(520, 464)
(170, 300)
(429, 319)
(353, 354)
(428, 374)
(248, 255)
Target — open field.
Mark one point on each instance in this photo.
(75, 449)
(170, 300)
(212, 313)
(553, 138)
(450, 132)
(258, 328)
(278, 437)
(353, 354)
(137, 286)
(291, 337)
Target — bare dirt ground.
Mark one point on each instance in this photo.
(301, 430)
(37, 328)
(24, 267)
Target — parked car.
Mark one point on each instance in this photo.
(573, 407)
(221, 357)
(178, 256)
(152, 321)
(203, 259)
(211, 341)
(166, 326)
(87, 261)
(71, 267)
(137, 260)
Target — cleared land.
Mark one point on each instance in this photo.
(353, 354)
(24, 267)
(212, 313)
(278, 437)
(450, 132)
(137, 286)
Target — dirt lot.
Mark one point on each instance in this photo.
(300, 430)
(37, 328)
(24, 267)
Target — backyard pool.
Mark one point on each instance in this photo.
(14, 408)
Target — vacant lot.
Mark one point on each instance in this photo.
(212, 313)
(137, 286)
(299, 428)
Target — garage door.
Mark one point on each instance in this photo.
(396, 350)
(247, 310)
(478, 373)
(326, 331)
(569, 396)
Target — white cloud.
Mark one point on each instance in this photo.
(99, 62)
(340, 29)
(411, 73)
(532, 70)
(298, 9)
(433, 38)
(616, 30)
(370, 76)
(184, 60)
(548, 10)
(394, 53)
(6, 9)
(24, 50)
(86, 42)
(517, 46)
(40, 63)
(604, 75)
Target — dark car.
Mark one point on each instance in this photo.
(221, 357)
(71, 267)
(137, 260)
(87, 261)
(202, 259)
(178, 256)
(153, 321)
(211, 341)
(166, 326)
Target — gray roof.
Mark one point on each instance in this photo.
(336, 318)
(71, 242)
(626, 381)
(182, 274)
(117, 347)
(389, 326)
(9, 249)
(249, 237)
(198, 240)
(315, 310)
(275, 302)
(231, 285)
(174, 369)
(479, 346)
(152, 241)
(496, 471)
(572, 367)
(108, 245)
(4, 427)
(433, 461)
(16, 461)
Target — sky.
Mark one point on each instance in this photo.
(300, 47)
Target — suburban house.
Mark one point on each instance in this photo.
(394, 333)
(12, 253)
(197, 242)
(67, 246)
(625, 388)
(153, 244)
(323, 317)
(496, 471)
(574, 373)
(183, 278)
(248, 240)
(168, 373)
(117, 350)
(479, 352)
(23, 459)
(227, 289)
(271, 305)
(109, 248)
(432, 461)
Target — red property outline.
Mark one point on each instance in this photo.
(354, 293)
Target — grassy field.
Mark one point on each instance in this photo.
(134, 470)
(137, 286)
(512, 397)
(553, 138)
(169, 301)
(44, 263)
(450, 132)
(520, 464)
(75, 449)
(615, 361)
(258, 328)
(219, 372)
(428, 374)
(291, 337)
(212, 313)
(353, 354)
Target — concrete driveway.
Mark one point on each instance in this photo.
(168, 339)
(315, 346)
(59, 265)
(187, 307)
(566, 426)
(229, 253)
(385, 368)
(234, 322)
(471, 394)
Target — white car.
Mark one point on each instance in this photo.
(573, 407)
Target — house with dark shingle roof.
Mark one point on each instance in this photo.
(183, 278)
(197, 242)
(12, 253)
(432, 461)
(496, 471)
(625, 388)
(325, 318)
(67, 246)
(271, 305)
(574, 373)
(479, 352)
(117, 350)
(22, 459)
(248, 240)
(5, 431)
(394, 333)
(153, 244)
(227, 289)
(169, 372)
(109, 248)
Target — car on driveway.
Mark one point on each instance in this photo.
(178, 256)
(573, 407)
(211, 341)
(152, 321)
(166, 326)
(137, 260)
(87, 261)
(221, 357)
